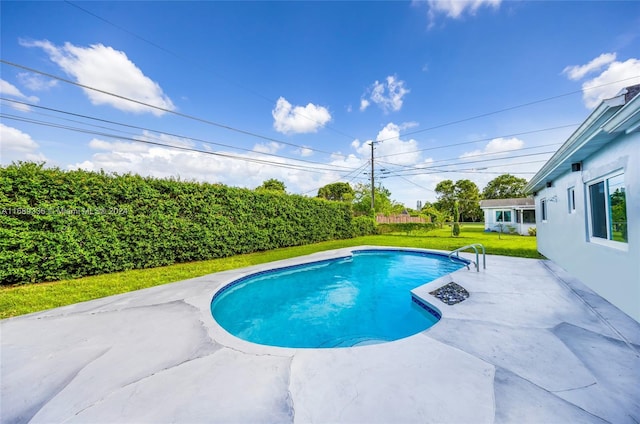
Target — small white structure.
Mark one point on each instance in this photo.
(588, 202)
(507, 214)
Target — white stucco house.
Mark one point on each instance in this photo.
(587, 199)
(519, 214)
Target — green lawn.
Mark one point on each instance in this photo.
(27, 298)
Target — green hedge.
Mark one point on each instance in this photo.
(58, 224)
(406, 228)
(364, 226)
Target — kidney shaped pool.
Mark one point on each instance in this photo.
(361, 299)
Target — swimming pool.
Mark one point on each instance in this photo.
(361, 299)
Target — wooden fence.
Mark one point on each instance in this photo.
(399, 219)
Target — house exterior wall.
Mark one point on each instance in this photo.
(491, 224)
(611, 269)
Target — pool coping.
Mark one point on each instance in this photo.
(531, 343)
(419, 294)
(417, 299)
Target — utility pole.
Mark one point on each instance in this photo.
(372, 183)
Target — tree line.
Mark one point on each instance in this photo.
(456, 201)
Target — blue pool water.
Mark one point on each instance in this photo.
(361, 299)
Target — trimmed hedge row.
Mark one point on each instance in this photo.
(363, 226)
(58, 224)
(406, 227)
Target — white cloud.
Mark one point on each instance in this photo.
(456, 8)
(36, 82)
(121, 146)
(21, 107)
(170, 140)
(408, 125)
(495, 146)
(498, 156)
(616, 76)
(10, 90)
(145, 159)
(288, 119)
(610, 82)
(271, 147)
(305, 152)
(17, 145)
(390, 144)
(110, 70)
(388, 95)
(162, 162)
(15, 140)
(577, 72)
(410, 189)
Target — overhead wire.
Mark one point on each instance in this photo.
(183, 59)
(305, 168)
(357, 172)
(479, 140)
(120, 27)
(415, 168)
(281, 141)
(173, 112)
(415, 184)
(152, 130)
(252, 134)
(497, 153)
(484, 115)
(478, 170)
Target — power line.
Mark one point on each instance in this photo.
(150, 129)
(172, 53)
(476, 170)
(415, 184)
(480, 140)
(180, 114)
(483, 115)
(333, 129)
(357, 172)
(230, 128)
(220, 154)
(415, 168)
(497, 153)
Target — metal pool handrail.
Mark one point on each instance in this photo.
(473, 246)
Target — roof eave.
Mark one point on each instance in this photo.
(587, 130)
(627, 119)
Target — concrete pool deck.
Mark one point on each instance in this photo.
(530, 344)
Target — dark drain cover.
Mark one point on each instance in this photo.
(451, 293)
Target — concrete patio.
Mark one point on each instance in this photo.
(530, 344)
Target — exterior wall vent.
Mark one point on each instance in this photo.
(575, 167)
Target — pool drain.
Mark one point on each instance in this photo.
(451, 293)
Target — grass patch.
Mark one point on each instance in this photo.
(27, 298)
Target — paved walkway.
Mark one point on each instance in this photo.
(531, 344)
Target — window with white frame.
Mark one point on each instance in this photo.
(543, 209)
(529, 216)
(571, 199)
(608, 208)
(503, 216)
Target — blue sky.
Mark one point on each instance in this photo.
(296, 91)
